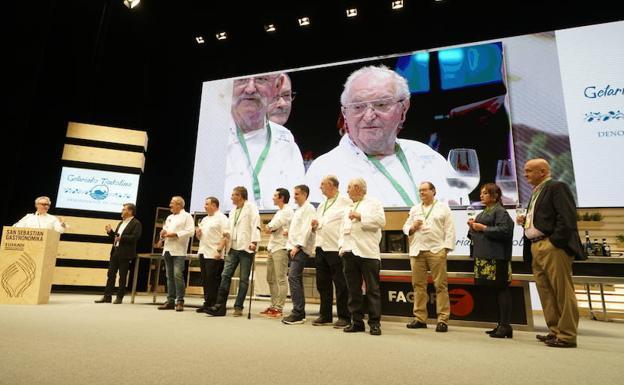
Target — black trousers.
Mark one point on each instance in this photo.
(210, 270)
(329, 273)
(117, 264)
(357, 269)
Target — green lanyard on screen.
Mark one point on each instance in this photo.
(404, 195)
(255, 170)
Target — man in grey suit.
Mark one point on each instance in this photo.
(124, 239)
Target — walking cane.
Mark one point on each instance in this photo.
(253, 269)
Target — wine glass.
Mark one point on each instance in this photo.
(471, 212)
(520, 210)
(506, 180)
(465, 163)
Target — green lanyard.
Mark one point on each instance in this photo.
(236, 215)
(422, 207)
(356, 205)
(404, 195)
(255, 170)
(325, 208)
(534, 196)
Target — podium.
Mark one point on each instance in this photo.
(27, 260)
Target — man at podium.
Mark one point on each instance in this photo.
(41, 219)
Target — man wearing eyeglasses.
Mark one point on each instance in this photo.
(279, 110)
(261, 155)
(374, 102)
(41, 219)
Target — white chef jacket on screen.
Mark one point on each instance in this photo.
(283, 166)
(347, 161)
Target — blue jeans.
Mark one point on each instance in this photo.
(295, 281)
(174, 265)
(232, 260)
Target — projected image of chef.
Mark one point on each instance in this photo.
(261, 155)
(374, 103)
(279, 109)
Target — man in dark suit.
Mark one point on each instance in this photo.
(124, 240)
(551, 243)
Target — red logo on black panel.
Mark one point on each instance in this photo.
(462, 303)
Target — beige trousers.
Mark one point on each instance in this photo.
(436, 262)
(277, 269)
(552, 269)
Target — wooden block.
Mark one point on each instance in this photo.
(107, 134)
(84, 250)
(79, 276)
(72, 152)
(88, 226)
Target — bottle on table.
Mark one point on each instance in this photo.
(589, 248)
(606, 249)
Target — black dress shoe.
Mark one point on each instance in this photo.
(375, 330)
(492, 331)
(441, 327)
(103, 300)
(416, 325)
(545, 337)
(217, 310)
(557, 343)
(353, 328)
(503, 331)
(201, 309)
(117, 301)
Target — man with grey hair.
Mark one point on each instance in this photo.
(40, 219)
(329, 269)
(178, 229)
(374, 102)
(261, 155)
(360, 234)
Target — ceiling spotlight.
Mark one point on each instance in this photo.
(270, 28)
(131, 3)
(200, 40)
(397, 4)
(352, 12)
(304, 21)
(221, 36)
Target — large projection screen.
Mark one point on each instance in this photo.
(476, 113)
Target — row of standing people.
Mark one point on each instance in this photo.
(344, 234)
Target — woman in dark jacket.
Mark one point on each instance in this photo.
(491, 233)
